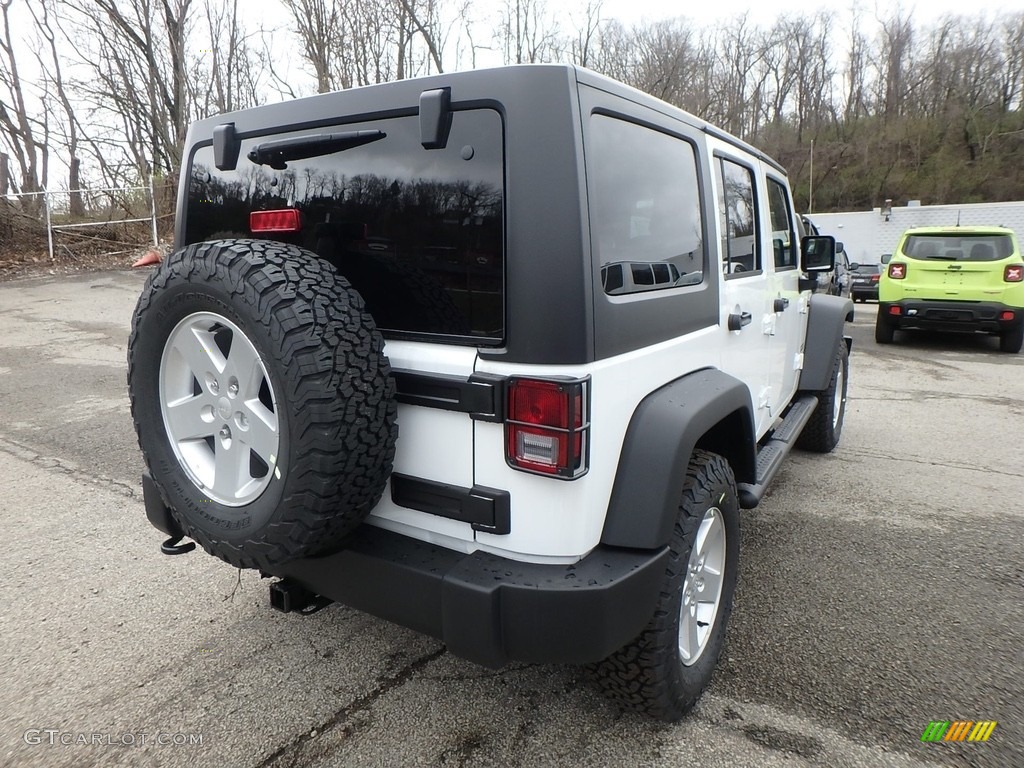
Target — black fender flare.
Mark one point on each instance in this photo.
(707, 409)
(826, 319)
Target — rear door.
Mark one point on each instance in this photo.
(747, 317)
(788, 308)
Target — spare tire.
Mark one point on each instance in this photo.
(262, 399)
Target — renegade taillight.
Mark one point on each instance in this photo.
(283, 220)
(548, 426)
(897, 271)
(1014, 273)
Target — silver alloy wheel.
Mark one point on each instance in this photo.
(837, 398)
(219, 409)
(702, 587)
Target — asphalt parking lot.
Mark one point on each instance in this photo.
(882, 587)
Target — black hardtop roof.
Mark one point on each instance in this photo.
(604, 83)
(401, 97)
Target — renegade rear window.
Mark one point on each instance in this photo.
(958, 248)
(417, 232)
(645, 207)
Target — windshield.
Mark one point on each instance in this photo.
(868, 269)
(958, 247)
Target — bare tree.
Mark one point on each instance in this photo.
(228, 74)
(51, 66)
(1011, 76)
(318, 23)
(586, 37)
(528, 32)
(24, 136)
(893, 62)
(140, 74)
(856, 73)
(423, 19)
(738, 57)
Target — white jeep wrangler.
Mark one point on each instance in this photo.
(496, 355)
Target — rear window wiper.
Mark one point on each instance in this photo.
(277, 153)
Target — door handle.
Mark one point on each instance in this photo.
(781, 304)
(736, 322)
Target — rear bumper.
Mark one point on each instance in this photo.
(489, 609)
(864, 290)
(962, 316)
(485, 608)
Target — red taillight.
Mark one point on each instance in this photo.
(1006, 315)
(895, 310)
(547, 426)
(897, 271)
(875, 278)
(283, 220)
(1014, 273)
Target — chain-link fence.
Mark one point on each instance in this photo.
(84, 226)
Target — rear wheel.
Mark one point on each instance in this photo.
(1012, 341)
(664, 671)
(262, 399)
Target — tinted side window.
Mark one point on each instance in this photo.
(741, 251)
(783, 242)
(418, 233)
(645, 209)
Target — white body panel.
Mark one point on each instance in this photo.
(432, 444)
(564, 518)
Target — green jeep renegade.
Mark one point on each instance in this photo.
(954, 279)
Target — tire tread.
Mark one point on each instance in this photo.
(640, 676)
(337, 390)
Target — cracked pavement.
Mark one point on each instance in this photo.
(881, 587)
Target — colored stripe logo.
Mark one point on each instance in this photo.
(958, 730)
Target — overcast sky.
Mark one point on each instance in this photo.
(710, 11)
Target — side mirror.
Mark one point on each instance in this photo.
(818, 253)
(854, 265)
(886, 258)
(839, 246)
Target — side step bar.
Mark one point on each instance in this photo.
(776, 448)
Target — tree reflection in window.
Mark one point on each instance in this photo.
(418, 233)
(737, 218)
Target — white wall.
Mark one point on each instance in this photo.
(867, 235)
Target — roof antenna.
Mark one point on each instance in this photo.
(958, 217)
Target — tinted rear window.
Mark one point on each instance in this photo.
(417, 232)
(958, 248)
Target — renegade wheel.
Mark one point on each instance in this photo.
(884, 330)
(262, 399)
(1012, 341)
(822, 432)
(664, 671)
